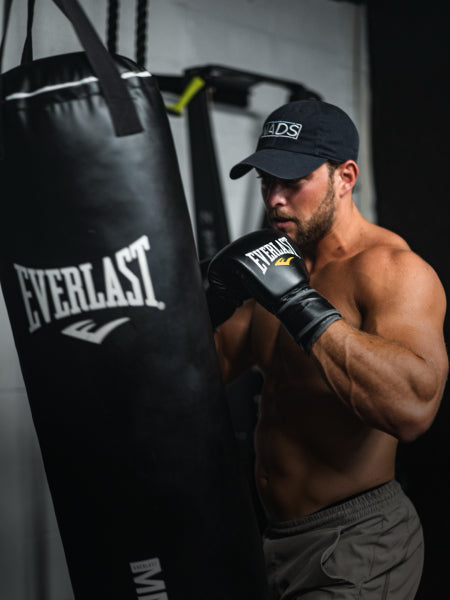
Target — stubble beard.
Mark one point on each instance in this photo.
(309, 233)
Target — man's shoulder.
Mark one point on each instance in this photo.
(388, 263)
(380, 237)
(375, 255)
(382, 248)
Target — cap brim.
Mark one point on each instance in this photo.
(278, 163)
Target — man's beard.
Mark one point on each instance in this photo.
(312, 231)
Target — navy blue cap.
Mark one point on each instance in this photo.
(299, 137)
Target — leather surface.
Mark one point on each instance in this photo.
(95, 240)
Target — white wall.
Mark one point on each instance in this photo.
(319, 43)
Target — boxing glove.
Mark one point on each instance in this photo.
(269, 268)
(220, 306)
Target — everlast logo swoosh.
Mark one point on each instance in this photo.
(265, 255)
(53, 294)
(82, 330)
(148, 588)
(283, 261)
(285, 129)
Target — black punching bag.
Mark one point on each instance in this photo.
(100, 276)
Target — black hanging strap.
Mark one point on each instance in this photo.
(117, 96)
(112, 26)
(122, 110)
(27, 54)
(6, 15)
(141, 31)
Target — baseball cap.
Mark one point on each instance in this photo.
(300, 136)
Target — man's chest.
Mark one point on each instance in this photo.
(339, 286)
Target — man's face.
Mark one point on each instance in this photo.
(304, 208)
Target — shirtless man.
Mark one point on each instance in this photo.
(354, 361)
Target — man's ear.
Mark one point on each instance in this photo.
(348, 174)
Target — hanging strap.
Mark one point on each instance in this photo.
(141, 31)
(112, 29)
(6, 13)
(112, 26)
(122, 110)
(27, 53)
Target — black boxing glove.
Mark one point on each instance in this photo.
(220, 307)
(268, 267)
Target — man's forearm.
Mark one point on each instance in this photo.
(385, 384)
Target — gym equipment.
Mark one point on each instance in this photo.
(193, 86)
(103, 290)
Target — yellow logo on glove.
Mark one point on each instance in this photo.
(283, 261)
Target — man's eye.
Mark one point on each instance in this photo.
(294, 184)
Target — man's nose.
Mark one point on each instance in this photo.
(275, 194)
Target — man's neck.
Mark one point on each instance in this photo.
(345, 237)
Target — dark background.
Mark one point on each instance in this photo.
(410, 66)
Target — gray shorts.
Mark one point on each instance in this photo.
(369, 547)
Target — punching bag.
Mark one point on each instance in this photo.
(103, 290)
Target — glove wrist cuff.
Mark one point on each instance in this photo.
(307, 316)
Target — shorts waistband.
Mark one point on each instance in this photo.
(342, 513)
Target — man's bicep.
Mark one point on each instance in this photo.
(233, 343)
